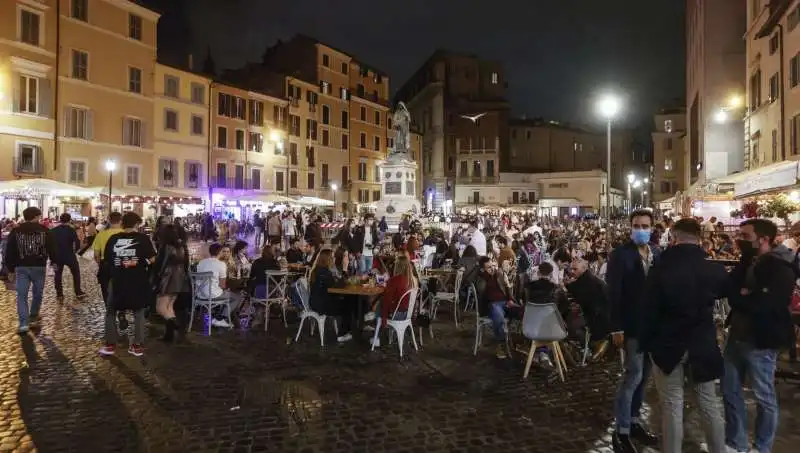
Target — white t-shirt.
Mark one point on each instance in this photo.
(479, 242)
(369, 241)
(219, 270)
(289, 225)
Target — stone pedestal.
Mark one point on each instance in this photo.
(398, 190)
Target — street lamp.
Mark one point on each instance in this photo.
(110, 167)
(637, 184)
(721, 117)
(333, 188)
(608, 107)
(631, 178)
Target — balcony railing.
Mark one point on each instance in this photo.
(521, 200)
(464, 150)
(235, 183)
(477, 180)
(33, 166)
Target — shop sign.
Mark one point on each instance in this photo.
(783, 176)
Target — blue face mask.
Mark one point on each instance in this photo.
(640, 237)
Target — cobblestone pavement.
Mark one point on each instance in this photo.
(246, 391)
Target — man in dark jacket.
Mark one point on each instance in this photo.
(759, 326)
(680, 336)
(30, 244)
(591, 293)
(67, 243)
(626, 276)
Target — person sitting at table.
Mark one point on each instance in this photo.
(469, 262)
(324, 277)
(240, 259)
(311, 252)
(295, 254)
(257, 283)
(544, 291)
(494, 296)
(402, 281)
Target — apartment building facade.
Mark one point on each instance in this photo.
(537, 146)
(668, 154)
(458, 103)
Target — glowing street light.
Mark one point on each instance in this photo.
(110, 167)
(631, 178)
(735, 101)
(334, 186)
(637, 184)
(608, 106)
(721, 116)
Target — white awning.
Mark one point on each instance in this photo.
(313, 201)
(43, 187)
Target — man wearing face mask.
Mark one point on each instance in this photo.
(759, 325)
(626, 276)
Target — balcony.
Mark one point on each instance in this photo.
(477, 180)
(29, 165)
(521, 200)
(233, 183)
(465, 150)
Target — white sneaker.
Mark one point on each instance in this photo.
(220, 323)
(345, 338)
(703, 447)
(729, 449)
(369, 328)
(369, 317)
(544, 360)
(375, 342)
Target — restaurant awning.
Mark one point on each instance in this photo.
(38, 187)
(765, 179)
(313, 201)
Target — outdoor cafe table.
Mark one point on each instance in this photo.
(370, 292)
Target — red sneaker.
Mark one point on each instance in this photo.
(108, 349)
(136, 350)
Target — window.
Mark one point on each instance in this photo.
(172, 86)
(279, 181)
(255, 178)
(170, 120)
(495, 78)
(377, 172)
(345, 175)
(490, 168)
(363, 116)
(256, 142)
(28, 101)
(240, 139)
(325, 137)
(668, 144)
(30, 27)
(559, 185)
(773, 87)
(78, 123)
(345, 119)
(29, 159)
(293, 180)
(231, 106)
(793, 18)
(132, 132)
(131, 175)
(238, 177)
(294, 125)
(197, 125)
(376, 145)
(755, 90)
(794, 70)
(668, 126)
(344, 94)
(774, 43)
(774, 145)
(326, 114)
(167, 172)
(344, 68)
(326, 61)
(324, 175)
(77, 172)
(310, 157)
(135, 80)
(363, 196)
(376, 195)
(80, 10)
(134, 27)
(198, 93)
(293, 154)
(363, 141)
(462, 171)
(256, 112)
(311, 181)
(362, 171)
(668, 164)
(794, 133)
(377, 118)
(80, 65)
(325, 87)
(476, 169)
(192, 175)
(222, 137)
(345, 143)
(222, 174)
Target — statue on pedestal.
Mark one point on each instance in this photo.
(401, 124)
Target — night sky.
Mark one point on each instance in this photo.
(558, 55)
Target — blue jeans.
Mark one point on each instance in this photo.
(630, 395)
(364, 264)
(743, 360)
(497, 313)
(29, 278)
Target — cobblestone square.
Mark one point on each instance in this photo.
(243, 391)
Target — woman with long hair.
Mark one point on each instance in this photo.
(402, 281)
(257, 284)
(172, 275)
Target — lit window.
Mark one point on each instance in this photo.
(668, 164)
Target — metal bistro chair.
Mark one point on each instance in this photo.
(451, 298)
(204, 280)
(400, 326)
(277, 294)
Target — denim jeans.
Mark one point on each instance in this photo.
(743, 360)
(628, 405)
(29, 279)
(58, 278)
(670, 392)
(364, 264)
(497, 313)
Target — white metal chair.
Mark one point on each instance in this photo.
(276, 294)
(400, 326)
(447, 297)
(304, 292)
(202, 282)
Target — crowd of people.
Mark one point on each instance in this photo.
(650, 286)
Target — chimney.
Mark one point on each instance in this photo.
(191, 62)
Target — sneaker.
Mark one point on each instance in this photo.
(23, 330)
(501, 352)
(621, 443)
(221, 323)
(136, 350)
(543, 359)
(369, 328)
(123, 321)
(369, 317)
(375, 342)
(345, 338)
(108, 349)
(704, 447)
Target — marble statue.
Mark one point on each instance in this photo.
(401, 123)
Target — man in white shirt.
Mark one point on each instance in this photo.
(289, 227)
(478, 239)
(218, 283)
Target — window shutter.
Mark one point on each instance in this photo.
(89, 125)
(126, 131)
(16, 91)
(67, 122)
(143, 134)
(45, 98)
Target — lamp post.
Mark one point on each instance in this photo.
(631, 178)
(645, 186)
(333, 188)
(110, 167)
(637, 184)
(608, 107)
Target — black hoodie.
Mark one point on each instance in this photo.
(30, 244)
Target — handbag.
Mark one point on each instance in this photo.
(543, 322)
